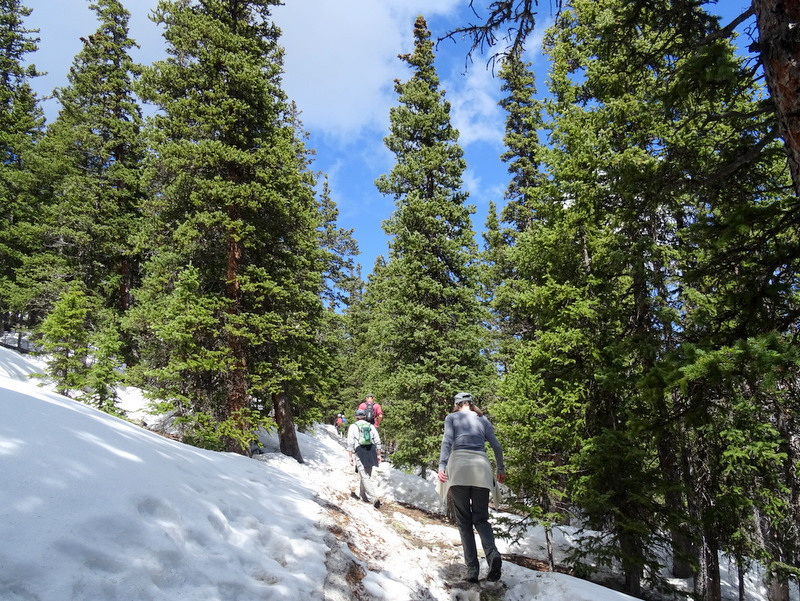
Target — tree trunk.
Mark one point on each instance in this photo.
(669, 450)
(777, 588)
(707, 583)
(548, 537)
(741, 572)
(779, 46)
(682, 553)
(670, 470)
(124, 291)
(237, 376)
(284, 417)
(631, 563)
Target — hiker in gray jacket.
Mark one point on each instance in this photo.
(466, 473)
(364, 449)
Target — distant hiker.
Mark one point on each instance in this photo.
(372, 410)
(465, 472)
(341, 424)
(364, 449)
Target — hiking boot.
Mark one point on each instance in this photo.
(495, 567)
(377, 504)
(472, 576)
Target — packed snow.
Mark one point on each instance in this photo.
(93, 507)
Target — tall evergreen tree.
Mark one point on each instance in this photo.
(230, 305)
(341, 270)
(521, 139)
(88, 169)
(520, 212)
(426, 325)
(21, 122)
(607, 279)
(777, 50)
(343, 292)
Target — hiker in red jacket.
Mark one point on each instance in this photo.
(372, 410)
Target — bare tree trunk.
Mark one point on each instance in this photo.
(631, 563)
(779, 45)
(777, 588)
(284, 417)
(669, 462)
(707, 583)
(671, 447)
(682, 553)
(236, 377)
(548, 537)
(741, 572)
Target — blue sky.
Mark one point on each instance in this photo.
(340, 65)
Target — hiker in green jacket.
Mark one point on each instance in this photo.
(364, 450)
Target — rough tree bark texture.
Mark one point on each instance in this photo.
(779, 40)
(284, 417)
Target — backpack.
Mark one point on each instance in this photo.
(365, 438)
(370, 409)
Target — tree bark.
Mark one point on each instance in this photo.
(779, 45)
(707, 583)
(777, 588)
(284, 417)
(631, 563)
(237, 377)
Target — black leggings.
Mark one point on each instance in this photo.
(471, 504)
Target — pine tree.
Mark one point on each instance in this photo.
(607, 278)
(521, 140)
(21, 122)
(520, 212)
(88, 166)
(343, 292)
(232, 232)
(65, 337)
(426, 327)
(342, 249)
(776, 50)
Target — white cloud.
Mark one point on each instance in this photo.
(341, 58)
(476, 114)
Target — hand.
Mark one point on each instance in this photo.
(351, 460)
(379, 458)
(501, 478)
(442, 476)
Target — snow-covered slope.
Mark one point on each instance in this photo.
(95, 508)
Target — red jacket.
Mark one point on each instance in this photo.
(376, 408)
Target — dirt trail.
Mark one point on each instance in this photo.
(413, 554)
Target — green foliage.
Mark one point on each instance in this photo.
(88, 172)
(424, 329)
(83, 349)
(232, 229)
(105, 370)
(649, 237)
(65, 335)
(239, 430)
(20, 126)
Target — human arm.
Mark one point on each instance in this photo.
(378, 414)
(447, 445)
(376, 440)
(491, 438)
(352, 440)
